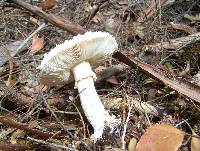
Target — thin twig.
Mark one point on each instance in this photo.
(51, 18)
(11, 123)
(130, 106)
(30, 36)
(84, 130)
(186, 88)
(8, 82)
(51, 145)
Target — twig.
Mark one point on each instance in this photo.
(188, 89)
(130, 106)
(93, 13)
(51, 145)
(8, 82)
(84, 131)
(55, 116)
(30, 36)
(14, 147)
(173, 43)
(11, 123)
(53, 19)
(149, 10)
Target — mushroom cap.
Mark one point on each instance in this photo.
(93, 47)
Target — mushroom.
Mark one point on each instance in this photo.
(78, 56)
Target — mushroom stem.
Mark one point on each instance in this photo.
(93, 108)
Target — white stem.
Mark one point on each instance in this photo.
(90, 101)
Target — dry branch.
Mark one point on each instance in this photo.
(188, 89)
(52, 145)
(182, 86)
(25, 127)
(173, 43)
(51, 18)
(14, 147)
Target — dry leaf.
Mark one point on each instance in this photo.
(111, 79)
(17, 134)
(10, 50)
(96, 19)
(180, 26)
(36, 21)
(193, 18)
(195, 142)
(132, 144)
(161, 137)
(40, 88)
(48, 4)
(37, 44)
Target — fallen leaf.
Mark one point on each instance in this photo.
(96, 19)
(193, 18)
(195, 142)
(10, 50)
(181, 26)
(132, 144)
(40, 88)
(36, 21)
(17, 134)
(111, 79)
(37, 44)
(48, 4)
(161, 137)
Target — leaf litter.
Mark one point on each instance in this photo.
(165, 34)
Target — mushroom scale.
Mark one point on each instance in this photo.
(78, 56)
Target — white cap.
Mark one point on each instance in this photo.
(93, 47)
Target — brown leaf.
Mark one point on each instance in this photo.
(132, 144)
(37, 44)
(96, 19)
(40, 88)
(193, 18)
(36, 21)
(18, 133)
(10, 50)
(48, 4)
(161, 137)
(111, 79)
(195, 142)
(181, 26)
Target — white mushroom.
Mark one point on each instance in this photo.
(78, 56)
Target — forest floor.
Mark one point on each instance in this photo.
(164, 35)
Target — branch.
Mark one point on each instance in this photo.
(173, 43)
(25, 127)
(51, 18)
(15, 147)
(188, 89)
(51, 145)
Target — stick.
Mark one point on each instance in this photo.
(25, 127)
(51, 18)
(52, 145)
(173, 43)
(188, 89)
